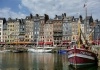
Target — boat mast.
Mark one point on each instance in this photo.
(85, 23)
(85, 6)
(79, 34)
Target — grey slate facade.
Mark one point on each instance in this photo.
(97, 31)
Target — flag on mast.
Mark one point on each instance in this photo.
(84, 5)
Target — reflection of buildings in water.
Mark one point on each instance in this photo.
(13, 61)
(64, 62)
(61, 62)
(58, 62)
(34, 61)
(1, 58)
(22, 61)
(44, 61)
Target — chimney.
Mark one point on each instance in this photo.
(31, 15)
(80, 17)
(46, 17)
(37, 15)
(64, 14)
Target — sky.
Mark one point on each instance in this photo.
(22, 8)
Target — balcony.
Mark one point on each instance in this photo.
(57, 34)
(58, 30)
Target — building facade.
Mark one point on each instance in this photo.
(2, 28)
(36, 28)
(41, 32)
(74, 29)
(58, 30)
(88, 27)
(97, 31)
(13, 31)
(48, 33)
(22, 30)
(39, 29)
(67, 29)
(29, 29)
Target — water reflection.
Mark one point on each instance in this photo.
(85, 68)
(60, 62)
(12, 61)
(36, 61)
(42, 61)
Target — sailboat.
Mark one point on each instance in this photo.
(41, 49)
(38, 49)
(79, 55)
(44, 49)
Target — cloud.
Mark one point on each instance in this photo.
(7, 12)
(20, 6)
(52, 7)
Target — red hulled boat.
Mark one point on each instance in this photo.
(79, 55)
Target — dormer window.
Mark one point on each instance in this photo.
(57, 18)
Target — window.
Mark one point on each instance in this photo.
(50, 40)
(50, 32)
(35, 32)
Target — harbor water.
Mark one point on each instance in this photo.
(36, 61)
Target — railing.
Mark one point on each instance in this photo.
(58, 35)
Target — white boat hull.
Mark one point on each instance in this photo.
(40, 50)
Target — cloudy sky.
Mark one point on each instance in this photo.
(22, 8)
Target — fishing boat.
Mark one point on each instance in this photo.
(80, 55)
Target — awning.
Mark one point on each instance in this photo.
(40, 43)
(48, 43)
(2, 42)
(65, 42)
(21, 43)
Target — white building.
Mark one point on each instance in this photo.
(2, 21)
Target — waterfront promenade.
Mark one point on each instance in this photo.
(24, 48)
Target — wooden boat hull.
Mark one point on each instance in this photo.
(81, 57)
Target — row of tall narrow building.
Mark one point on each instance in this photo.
(54, 31)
